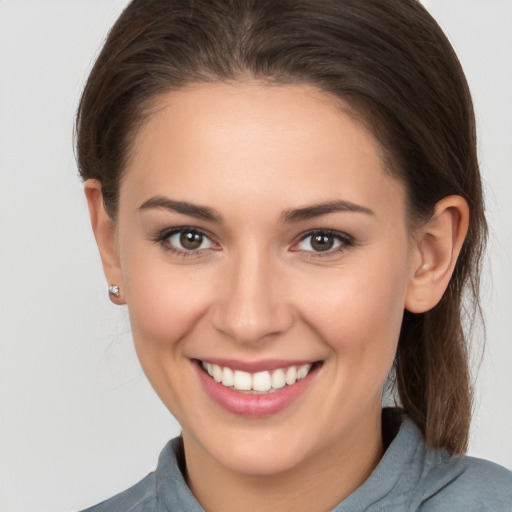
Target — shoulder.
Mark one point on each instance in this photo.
(422, 478)
(473, 485)
(164, 489)
(142, 497)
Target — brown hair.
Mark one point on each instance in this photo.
(391, 63)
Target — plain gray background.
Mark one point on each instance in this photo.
(78, 421)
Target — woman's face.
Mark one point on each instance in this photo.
(260, 239)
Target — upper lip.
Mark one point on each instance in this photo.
(256, 366)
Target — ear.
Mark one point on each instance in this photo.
(105, 234)
(437, 245)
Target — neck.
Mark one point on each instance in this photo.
(318, 483)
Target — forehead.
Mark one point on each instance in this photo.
(246, 140)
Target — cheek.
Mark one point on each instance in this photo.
(358, 308)
(165, 301)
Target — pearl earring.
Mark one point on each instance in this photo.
(113, 289)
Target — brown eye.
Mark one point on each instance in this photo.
(191, 240)
(322, 242)
(186, 240)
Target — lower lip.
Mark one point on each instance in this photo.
(254, 405)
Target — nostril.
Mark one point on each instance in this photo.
(250, 324)
(250, 305)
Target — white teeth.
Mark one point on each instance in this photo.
(260, 381)
(278, 381)
(303, 371)
(228, 378)
(243, 381)
(291, 375)
(217, 373)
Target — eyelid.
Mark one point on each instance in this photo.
(346, 240)
(162, 236)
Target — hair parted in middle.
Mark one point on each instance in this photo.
(388, 64)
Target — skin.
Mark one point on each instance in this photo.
(257, 289)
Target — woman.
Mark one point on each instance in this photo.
(287, 197)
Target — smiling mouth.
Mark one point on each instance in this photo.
(259, 382)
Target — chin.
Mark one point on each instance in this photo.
(258, 451)
(259, 462)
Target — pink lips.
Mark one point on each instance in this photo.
(254, 405)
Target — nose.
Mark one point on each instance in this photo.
(251, 303)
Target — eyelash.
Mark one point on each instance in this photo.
(162, 239)
(345, 241)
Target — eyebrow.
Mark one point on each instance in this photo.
(288, 216)
(193, 210)
(317, 210)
